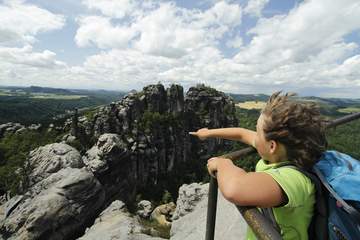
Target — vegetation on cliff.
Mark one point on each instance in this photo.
(14, 149)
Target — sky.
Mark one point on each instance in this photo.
(310, 47)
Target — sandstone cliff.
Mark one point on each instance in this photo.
(139, 144)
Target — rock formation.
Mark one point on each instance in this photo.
(139, 144)
(60, 201)
(49, 159)
(12, 128)
(151, 129)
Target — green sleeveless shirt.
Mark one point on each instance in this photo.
(294, 217)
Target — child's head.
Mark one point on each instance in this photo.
(290, 130)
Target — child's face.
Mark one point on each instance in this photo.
(262, 146)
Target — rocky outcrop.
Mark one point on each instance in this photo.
(152, 128)
(115, 223)
(60, 201)
(108, 160)
(138, 145)
(189, 219)
(106, 152)
(11, 128)
(49, 159)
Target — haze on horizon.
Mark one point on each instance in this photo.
(246, 46)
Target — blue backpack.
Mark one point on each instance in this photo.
(337, 212)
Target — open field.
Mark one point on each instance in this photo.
(349, 110)
(5, 92)
(251, 105)
(56, 96)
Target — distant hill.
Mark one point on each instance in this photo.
(249, 97)
(35, 104)
(328, 106)
(37, 89)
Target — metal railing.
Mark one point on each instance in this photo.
(261, 226)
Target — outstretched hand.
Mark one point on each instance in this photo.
(202, 133)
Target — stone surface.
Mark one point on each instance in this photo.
(60, 200)
(115, 223)
(152, 127)
(109, 160)
(49, 159)
(108, 149)
(57, 207)
(144, 208)
(16, 128)
(10, 128)
(189, 220)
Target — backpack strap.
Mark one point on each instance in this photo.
(319, 222)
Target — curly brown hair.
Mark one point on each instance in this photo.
(298, 126)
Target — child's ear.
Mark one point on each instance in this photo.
(273, 146)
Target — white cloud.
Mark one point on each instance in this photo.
(166, 30)
(20, 22)
(26, 56)
(255, 7)
(304, 32)
(301, 48)
(100, 32)
(112, 8)
(306, 48)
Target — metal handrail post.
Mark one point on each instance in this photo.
(211, 211)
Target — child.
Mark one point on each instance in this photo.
(286, 132)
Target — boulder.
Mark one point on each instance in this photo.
(108, 149)
(49, 159)
(62, 197)
(57, 207)
(144, 209)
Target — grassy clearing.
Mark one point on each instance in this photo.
(349, 110)
(55, 96)
(251, 105)
(4, 92)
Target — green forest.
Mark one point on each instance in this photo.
(44, 105)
